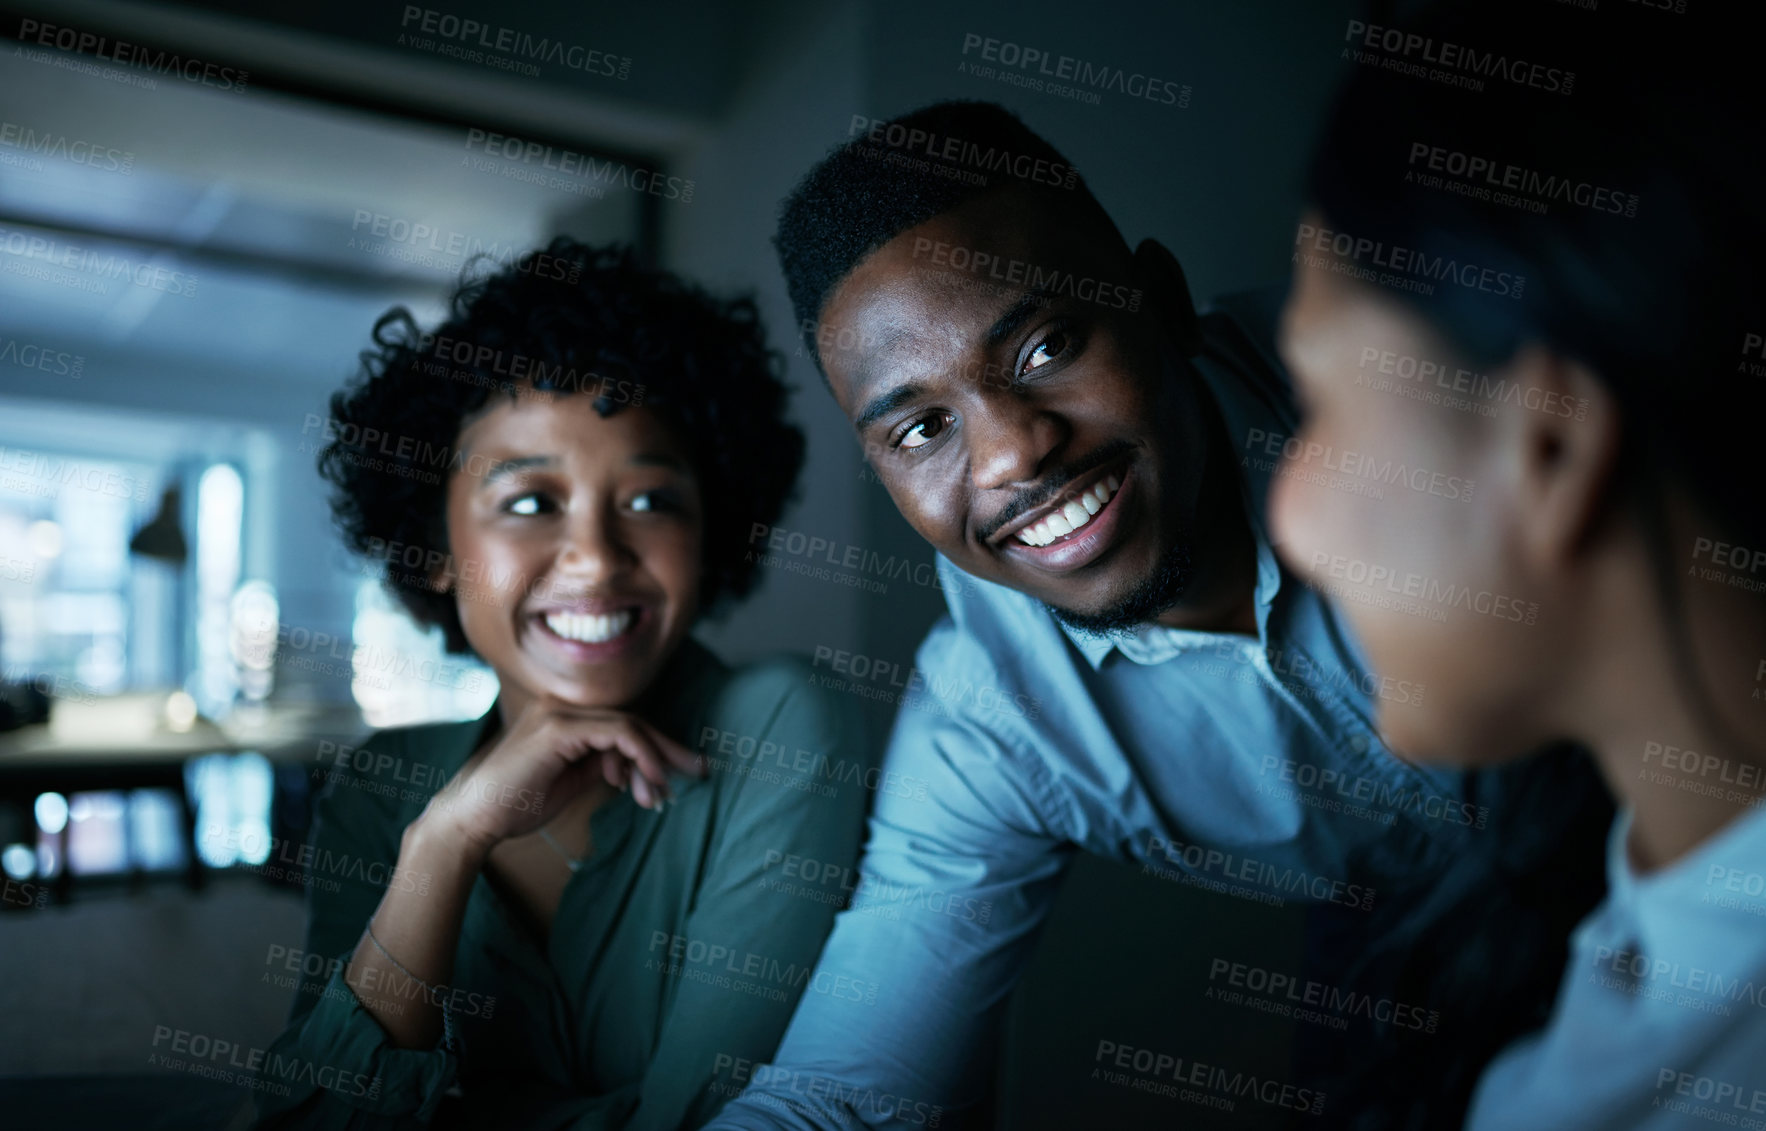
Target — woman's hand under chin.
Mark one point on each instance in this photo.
(551, 754)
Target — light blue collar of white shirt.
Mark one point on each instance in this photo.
(1688, 905)
(1153, 643)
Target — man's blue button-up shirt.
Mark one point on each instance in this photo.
(1243, 765)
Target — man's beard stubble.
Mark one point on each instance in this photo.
(1159, 590)
(1175, 571)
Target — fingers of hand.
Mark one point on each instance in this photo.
(624, 738)
(613, 768)
(627, 739)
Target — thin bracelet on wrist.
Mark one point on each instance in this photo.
(434, 995)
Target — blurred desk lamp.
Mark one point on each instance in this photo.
(162, 538)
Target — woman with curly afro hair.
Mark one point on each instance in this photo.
(569, 912)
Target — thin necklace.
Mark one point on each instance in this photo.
(572, 862)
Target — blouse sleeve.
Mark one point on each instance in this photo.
(332, 1068)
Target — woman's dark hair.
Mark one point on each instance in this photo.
(1606, 163)
(1619, 183)
(570, 320)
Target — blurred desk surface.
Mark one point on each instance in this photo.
(115, 733)
(126, 742)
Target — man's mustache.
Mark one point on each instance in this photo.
(1053, 484)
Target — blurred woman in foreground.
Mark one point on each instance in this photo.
(1545, 275)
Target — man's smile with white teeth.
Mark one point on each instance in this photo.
(1072, 515)
(589, 628)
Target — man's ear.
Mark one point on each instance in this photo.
(1569, 454)
(1169, 292)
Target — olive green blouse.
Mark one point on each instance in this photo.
(676, 955)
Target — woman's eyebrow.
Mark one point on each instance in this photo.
(504, 469)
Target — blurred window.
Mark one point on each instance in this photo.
(65, 523)
(220, 511)
(401, 674)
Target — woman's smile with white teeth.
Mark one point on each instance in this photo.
(589, 628)
(1072, 515)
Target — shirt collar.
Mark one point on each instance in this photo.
(1677, 906)
(1152, 643)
